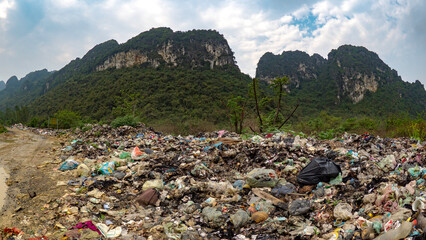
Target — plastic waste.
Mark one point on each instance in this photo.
(336, 180)
(280, 191)
(415, 171)
(270, 198)
(136, 153)
(119, 175)
(238, 184)
(377, 226)
(421, 221)
(156, 184)
(83, 170)
(125, 155)
(257, 139)
(86, 225)
(148, 197)
(220, 188)
(402, 214)
(299, 207)
(221, 133)
(388, 163)
(173, 230)
(318, 170)
(419, 204)
(369, 198)
(342, 211)
(398, 233)
(108, 168)
(69, 164)
(213, 217)
(148, 151)
(200, 170)
(240, 218)
(258, 204)
(310, 230)
(95, 193)
(260, 177)
(108, 232)
(67, 149)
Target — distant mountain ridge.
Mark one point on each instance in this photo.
(184, 75)
(156, 48)
(352, 78)
(19, 92)
(192, 75)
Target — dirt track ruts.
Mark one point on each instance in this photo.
(27, 158)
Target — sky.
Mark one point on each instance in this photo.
(38, 34)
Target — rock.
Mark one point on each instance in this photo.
(32, 194)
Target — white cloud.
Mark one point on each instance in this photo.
(5, 5)
(394, 29)
(301, 12)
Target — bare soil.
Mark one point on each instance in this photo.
(29, 161)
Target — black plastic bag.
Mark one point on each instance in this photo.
(318, 170)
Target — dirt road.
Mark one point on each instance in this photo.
(28, 159)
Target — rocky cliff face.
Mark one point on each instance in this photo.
(353, 71)
(297, 65)
(350, 82)
(356, 86)
(218, 55)
(126, 59)
(358, 71)
(177, 49)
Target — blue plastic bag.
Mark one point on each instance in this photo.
(69, 165)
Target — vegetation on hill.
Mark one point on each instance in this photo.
(21, 92)
(167, 94)
(326, 85)
(187, 95)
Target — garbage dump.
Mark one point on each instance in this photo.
(136, 183)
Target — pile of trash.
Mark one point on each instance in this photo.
(135, 183)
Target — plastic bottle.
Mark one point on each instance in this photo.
(398, 233)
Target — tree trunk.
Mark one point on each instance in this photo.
(279, 105)
(257, 105)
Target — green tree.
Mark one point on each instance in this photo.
(67, 119)
(126, 103)
(236, 108)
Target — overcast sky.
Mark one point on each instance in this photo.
(37, 34)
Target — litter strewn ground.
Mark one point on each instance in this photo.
(135, 183)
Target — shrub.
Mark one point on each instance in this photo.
(2, 129)
(35, 122)
(67, 119)
(128, 120)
